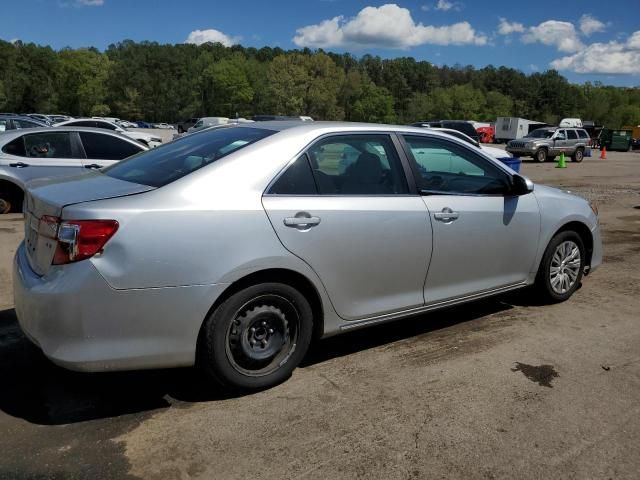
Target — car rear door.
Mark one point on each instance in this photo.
(483, 238)
(345, 209)
(43, 154)
(104, 149)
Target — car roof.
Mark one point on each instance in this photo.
(18, 117)
(11, 134)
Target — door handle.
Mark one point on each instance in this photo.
(302, 221)
(93, 165)
(446, 215)
(19, 165)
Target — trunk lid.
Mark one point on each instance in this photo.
(49, 197)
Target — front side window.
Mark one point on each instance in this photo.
(444, 167)
(107, 147)
(357, 165)
(198, 124)
(48, 145)
(165, 164)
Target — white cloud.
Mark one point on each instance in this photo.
(589, 24)
(562, 35)
(425, 8)
(444, 5)
(90, 3)
(634, 41)
(533, 67)
(388, 26)
(505, 27)
(605, 58)
(211, 35)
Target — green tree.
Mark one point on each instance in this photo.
(231, 92)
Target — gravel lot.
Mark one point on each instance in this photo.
(501, 388)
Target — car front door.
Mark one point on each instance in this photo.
(484, 238)
(43, 154)
(560, 142)
(345, 209)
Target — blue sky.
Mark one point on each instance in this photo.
(582, 39)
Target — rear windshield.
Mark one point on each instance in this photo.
(165, 164)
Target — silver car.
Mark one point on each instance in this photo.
(47, 152)
(233, 247)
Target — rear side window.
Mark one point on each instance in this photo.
(463, 127)
(357, 165)
(571, 135)
(15, 147)
(48, 145)
(296, 180)
(583, 134)
(107, 147)
(168, 163)
(105, 125)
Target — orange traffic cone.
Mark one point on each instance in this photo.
(603, 153)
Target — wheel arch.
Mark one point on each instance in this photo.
(280, 275)
(585, 234)
(12, 190)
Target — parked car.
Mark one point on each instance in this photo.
(127, 124)
(141, 124)
(47, 152)
(232, 247)
(147, 139)
(206, 122)
(271, 118)
(187, 124)
(497, 153)
(59, 118)
(164, 126)
(460, 125)
(546, 143)
(17, 122)
(40, 117)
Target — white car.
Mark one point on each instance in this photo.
(126, 124)
(164, 126)
(145, 138)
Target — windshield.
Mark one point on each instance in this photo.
(165, 164)
(540, 133)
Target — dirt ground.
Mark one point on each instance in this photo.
(500, 388)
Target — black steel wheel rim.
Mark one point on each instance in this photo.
(262, 335)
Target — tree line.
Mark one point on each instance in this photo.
(156, 82)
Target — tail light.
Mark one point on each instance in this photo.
(77, 239)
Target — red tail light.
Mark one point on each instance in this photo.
(80, 239)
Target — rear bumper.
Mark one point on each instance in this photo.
(81, 323)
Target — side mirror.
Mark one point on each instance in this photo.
(521, 185)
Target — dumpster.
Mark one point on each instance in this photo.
(619, 140)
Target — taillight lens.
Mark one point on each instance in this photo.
(81, 239)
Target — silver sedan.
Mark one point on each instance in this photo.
(232, 248)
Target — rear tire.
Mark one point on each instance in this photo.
(561, 268)
(578, 156)
(541, 155)
(256, 337)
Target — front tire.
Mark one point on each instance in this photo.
(561, 269)
(257, 337)
(541, 155)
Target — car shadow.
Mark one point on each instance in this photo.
(36, 390)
